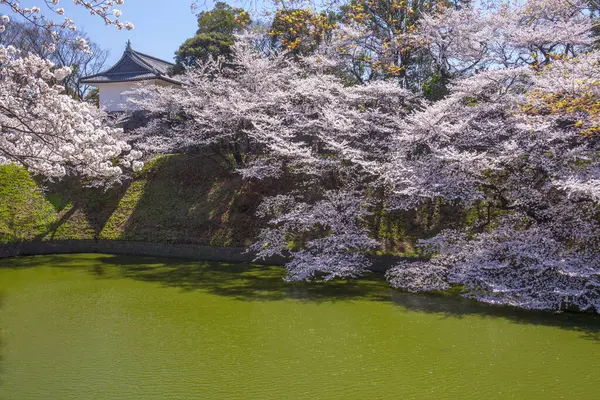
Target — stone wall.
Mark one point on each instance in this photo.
(184, 251)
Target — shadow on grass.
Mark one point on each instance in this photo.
(260, 283)
(192, 199)
(74, 202)
(51, 231)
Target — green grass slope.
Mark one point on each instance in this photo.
(175, 199)
(25, 213)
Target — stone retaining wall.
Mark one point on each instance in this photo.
(184, 251)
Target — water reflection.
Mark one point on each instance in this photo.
(260, 283)
(458, 307)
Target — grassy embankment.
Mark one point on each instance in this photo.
(177, 199)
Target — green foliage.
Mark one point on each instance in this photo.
(301, 31)
(391, 50)
(471, 101)
(93, 97)
(58, 202)
(24, 211)
(71, 225)
(222, 19)
(435, 87)
(214, 37)
(201, 47)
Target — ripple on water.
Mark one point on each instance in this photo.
(103, 327)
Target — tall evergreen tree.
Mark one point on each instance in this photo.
(214, 37)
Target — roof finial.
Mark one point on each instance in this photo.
(128, 48)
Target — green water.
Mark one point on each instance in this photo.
(107, 327)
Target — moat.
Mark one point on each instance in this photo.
(96, 326)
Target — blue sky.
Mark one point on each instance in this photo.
(160, 25)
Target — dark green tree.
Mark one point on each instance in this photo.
(214, 37)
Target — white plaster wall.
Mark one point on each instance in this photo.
(111, 97)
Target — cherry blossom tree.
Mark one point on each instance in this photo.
(270, 106)
(49, 132)
(537, 172)
(31, 39)
(338, 240)
(279, 119)
(515, 143)
(521, 142)
(502, 34)
(40, 126)
(103, 9)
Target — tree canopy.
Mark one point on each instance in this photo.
(41, 126)
(214, 37)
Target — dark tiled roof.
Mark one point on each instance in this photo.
(133, 66)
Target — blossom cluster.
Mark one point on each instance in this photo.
(49, 132)
(500, 34)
